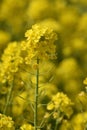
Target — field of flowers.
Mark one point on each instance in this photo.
(43, 64)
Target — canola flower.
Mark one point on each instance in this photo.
(26, 126)
(79, 121)
(66, 125)
(81, 102)
(6, 122)
(39, 43)
(11, 60)
(85, 81)
(60, 102)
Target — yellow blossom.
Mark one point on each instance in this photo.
(11, 60)
(85, 81)
(37, 7)
(4, 38)
(79, 121)
(39, 43)
(26, 127)
(60, 102)
(6, 123)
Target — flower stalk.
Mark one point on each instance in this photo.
(8, 98)
(36, 97)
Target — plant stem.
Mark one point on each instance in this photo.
(36, 96)
(56, 125)
(8, 98)
(58, 121)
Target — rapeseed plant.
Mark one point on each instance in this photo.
(60, 106)
(38, 46)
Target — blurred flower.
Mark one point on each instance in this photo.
(26, 127)
(79, 121)
(11, 60)
(4, 39)
(66, 125)
(85, 81)
(60, 102)
(19, 103)
(69, 17)
(38, 9)
(6, 123)
(82, 26)
(81, 102)
(68, 69)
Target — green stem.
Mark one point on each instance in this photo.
(36, 96)
(56, 125)
(8, 98)
(58, 121)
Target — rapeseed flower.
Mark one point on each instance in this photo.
(26, 127)
(6, 123)
(60, 103)
(85, 81)
(11, 60)
(39, 43)
(79, 121)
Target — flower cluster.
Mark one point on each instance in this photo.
(79, 121)
(60, 103)
(85, 81)
(39, 43)
(6, 123)
(26, 127)
(11, 60)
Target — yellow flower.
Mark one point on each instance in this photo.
(50, 106)
(39, 43)
(37, 7)
(60, 102)
(11, 60)
(6, 123)
(26, 127)
(4, 39)
(85, 81)
(82, 26)
(79, 121)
